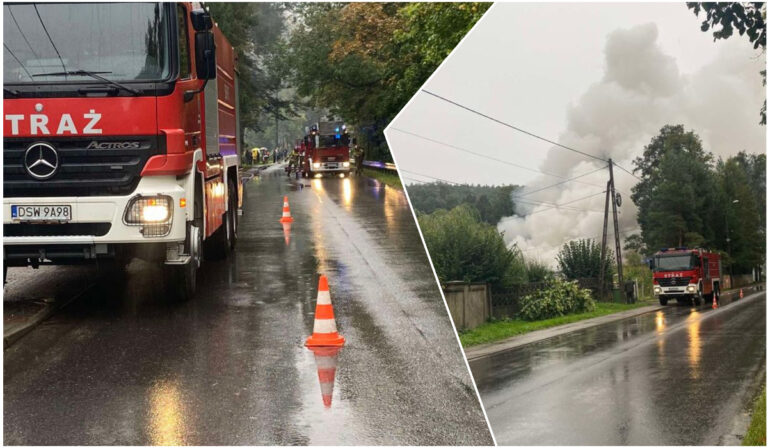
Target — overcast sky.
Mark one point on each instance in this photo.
(601, 78)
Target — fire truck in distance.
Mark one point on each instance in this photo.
(120, 137)
(326, 150)
(686, 275)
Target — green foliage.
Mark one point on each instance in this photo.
(503, 329)
(255, 31)
(364, 61)
(755, 435)
(558, 299)
(746, 18)
(581, 259)
(491, 202)
(466, 249)
(536, 271)
(677, 196)
(685, 199)
(741, 209)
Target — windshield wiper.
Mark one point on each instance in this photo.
(94, 75)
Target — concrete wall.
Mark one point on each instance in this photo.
(469, 304)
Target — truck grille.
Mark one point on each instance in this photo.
(82, 171)
(674, 281)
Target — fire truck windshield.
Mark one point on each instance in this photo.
(118, 41)
(680, 262)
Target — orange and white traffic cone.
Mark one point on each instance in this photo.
(324, 333)
(286, 211)
(287, 233)
(714, 301)
(741, 293)
(326, 360)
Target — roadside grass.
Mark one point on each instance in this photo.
(756, 433)
(388, 178)
(502, 329)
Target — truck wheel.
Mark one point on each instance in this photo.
(698, 298)
(663, 300)
(222, 241)
(182, 279)
(232, 215)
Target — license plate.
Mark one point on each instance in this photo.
(332, 165)
(41, 212)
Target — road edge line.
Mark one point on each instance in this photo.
(485, 350)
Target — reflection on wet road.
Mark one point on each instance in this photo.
(229, 367)
(677, 376)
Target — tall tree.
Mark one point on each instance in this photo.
(364, 61)
(677, 196)
(741, 210)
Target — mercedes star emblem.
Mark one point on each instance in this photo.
(41, 161)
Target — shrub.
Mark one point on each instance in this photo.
(557, 299)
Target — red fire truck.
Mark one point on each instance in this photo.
(119, 137)
(690, 275)
(327, 150)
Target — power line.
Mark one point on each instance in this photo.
(17, 60)
(478, 154)
(513, 127)
(560, 183)
(49, 38)
(564, 203)
(626, 171)
(23, 35)
(530, 202)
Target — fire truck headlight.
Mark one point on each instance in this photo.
(657, 290)
(346, 164)
(149, 210)
(691, 288)
(315, 165)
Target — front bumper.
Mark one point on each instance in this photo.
(330, 167)
(681, 290)
(105, 210)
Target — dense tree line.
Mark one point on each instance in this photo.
(491, 202)
(360, 62)
(687, 198)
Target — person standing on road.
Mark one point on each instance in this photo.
(293, 161)
(359, 156)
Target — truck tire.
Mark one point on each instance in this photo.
(663, 301)
(698, 298)
(233, 217)
(182, 279)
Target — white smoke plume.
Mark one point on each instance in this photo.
(641, 91)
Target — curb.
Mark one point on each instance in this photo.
(14, 334)
(482, 351)
(18, 331)
(485, 350)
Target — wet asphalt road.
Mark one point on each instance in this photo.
(120, 366)
(682, 375)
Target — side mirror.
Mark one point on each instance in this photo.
(205, 55)
(201, 20)
(651, 264)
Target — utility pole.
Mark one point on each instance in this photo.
(610, 195)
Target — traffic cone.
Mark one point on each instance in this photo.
(324, 333)
(714, 301)
(286, 211)
(326, 360)
(287, 233)
(741, 293)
